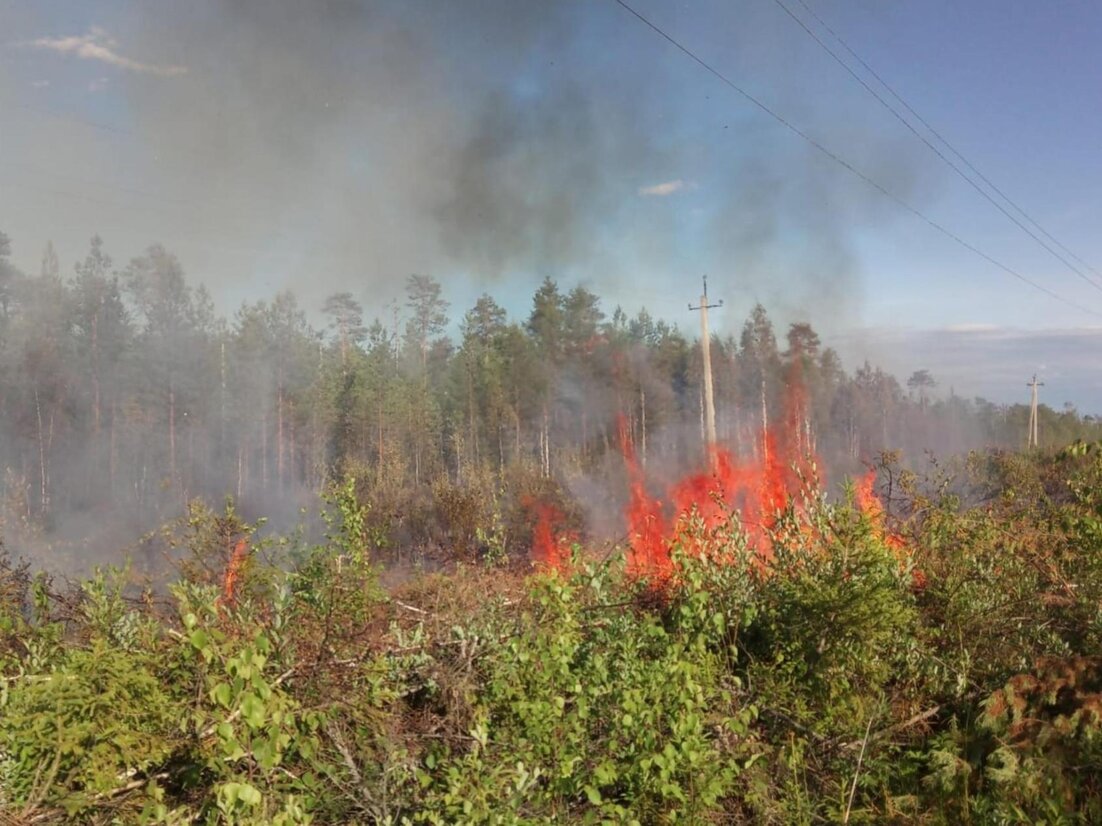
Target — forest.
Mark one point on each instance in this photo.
(124, 396)
(388, 576)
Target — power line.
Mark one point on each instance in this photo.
(937, 151)
(941, 138)
(846, 164)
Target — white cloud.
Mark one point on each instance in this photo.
(97, 84)
(98, 45)
(40, 84)
(972, 327)
(665, 188)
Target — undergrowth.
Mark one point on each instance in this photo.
(954, 681)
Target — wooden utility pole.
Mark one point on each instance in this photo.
(1032, 440)
(706, 352)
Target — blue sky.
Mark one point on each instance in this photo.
(341, 145)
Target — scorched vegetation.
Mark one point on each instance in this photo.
(928, 654)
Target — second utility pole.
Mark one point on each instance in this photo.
(706, 351)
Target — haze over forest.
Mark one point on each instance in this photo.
(125, 395)
(417, 240)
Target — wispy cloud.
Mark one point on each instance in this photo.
(973, 327)
(97, 84)
(40, 84)
(665, 188)
(98, 45)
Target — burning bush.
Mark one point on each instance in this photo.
(815, 685)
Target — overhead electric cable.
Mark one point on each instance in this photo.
(942, 138)
(937, 151)
(844, 163)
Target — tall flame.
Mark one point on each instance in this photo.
(550, 541)
(870, 505)
(233, 570)
(758, 490)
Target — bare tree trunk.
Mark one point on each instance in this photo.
(380, 430)
(113, 456)
(737, 414)
(279, 433)
(585, 433)
(43, 470)
(471, 416)
(516, 422)
(764, 425)
(95, 374)
(643, 425)
(189, 472)
(264, 449)
(172, 431)
(292, 451)
(222, 399)
(546, 443)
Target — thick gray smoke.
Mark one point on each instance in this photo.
(343, 145)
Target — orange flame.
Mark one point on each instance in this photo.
(759, 491)
(647, 529)
(870, 505)
(233, 570)
(550, 547)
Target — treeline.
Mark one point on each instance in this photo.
(123, 391)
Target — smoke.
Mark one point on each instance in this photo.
(342, 145)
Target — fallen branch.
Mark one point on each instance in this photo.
(46, 815)
(857, 772)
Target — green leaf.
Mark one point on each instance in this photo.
(249, 795)
(252, 710)
(222, 694)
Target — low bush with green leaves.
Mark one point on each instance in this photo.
(835, 684)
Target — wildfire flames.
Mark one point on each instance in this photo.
(758, 491)
(233, 570)
(550, 541)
